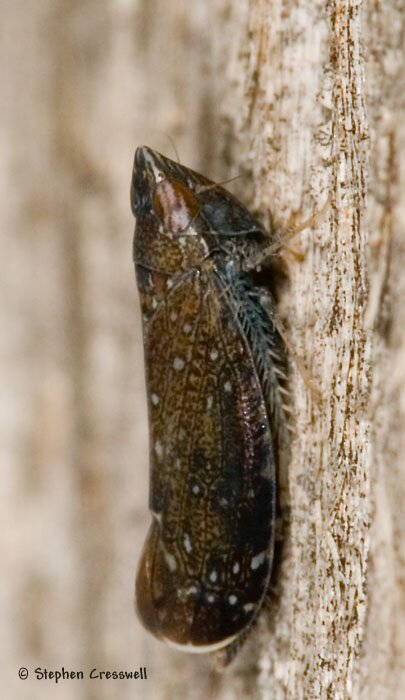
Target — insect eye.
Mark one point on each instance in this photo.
(175, 205)
(140, 206)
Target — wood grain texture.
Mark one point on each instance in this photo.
(316, 123)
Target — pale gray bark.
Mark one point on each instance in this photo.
(305, 100)
(323, 116)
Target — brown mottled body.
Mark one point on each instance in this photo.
(213, 362)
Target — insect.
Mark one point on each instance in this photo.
(215, 364)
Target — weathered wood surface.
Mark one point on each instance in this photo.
(306, 102)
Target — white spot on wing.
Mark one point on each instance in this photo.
(258, 560)
(214, 355)
(155, 399)
(187, 543)
(213, 576)
(159, 449)
(170, 561)
(178, 363)
(232, 599)
(227, 386)
(236, 568)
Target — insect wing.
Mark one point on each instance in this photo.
(207, 559)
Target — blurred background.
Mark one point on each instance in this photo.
(83, 83)
(246, 88)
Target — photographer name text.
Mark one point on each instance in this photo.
(63, 674)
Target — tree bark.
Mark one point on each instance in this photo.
(322, 117)
(305, 101)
